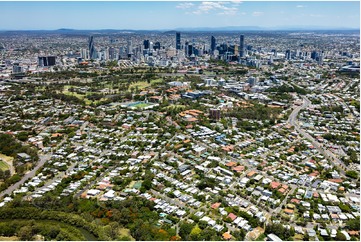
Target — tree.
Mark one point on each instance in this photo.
(340, 236)
(196, 231)
(25, 233)
(239, 234)
(352, 174)
(185, 230)
(353, 224)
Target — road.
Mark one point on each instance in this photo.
(30, 174)
(293, 121)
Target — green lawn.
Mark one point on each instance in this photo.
(4, 161)
(3, 166)
(80, 96)
(141, 105)
(156, 81)
(141, 85)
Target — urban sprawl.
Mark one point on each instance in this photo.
(146, 135)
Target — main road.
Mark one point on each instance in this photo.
(292, 119)
(30, 174)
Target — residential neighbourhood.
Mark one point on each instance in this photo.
(202, 148)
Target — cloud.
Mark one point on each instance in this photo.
(220, 8)
(257, 14)
(300, 6)
(317, 15)
(185, 5)
(236, 2)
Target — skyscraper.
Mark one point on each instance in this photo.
(46, 61)
(241, 45)
(213, 43)
(288, 54)
(146, 44)
(92, 51)
(177, 41)
(130, 47)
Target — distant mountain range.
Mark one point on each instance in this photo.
(192, 29)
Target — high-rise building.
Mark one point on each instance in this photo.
(92, 51)
(213, 43)
(17, 68)
(177, 41)
(156, 46)
(214, 114)
(288, 54)
(112, 54)
(46, 60)
(84, 54)
(241, 45)
(146, 44)
(130, 47)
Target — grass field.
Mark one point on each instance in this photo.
(141, 85)
(3, 166)
(141, 105)
(4, 161)
(159, 80)
(80, 96)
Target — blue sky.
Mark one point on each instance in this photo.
(176, 14)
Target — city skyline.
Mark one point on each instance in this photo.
(178, 14)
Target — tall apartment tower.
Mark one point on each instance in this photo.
(241, 45)
(92, 51)
(177, 41)
(213, 43)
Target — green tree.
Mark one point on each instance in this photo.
(25, 233)
(185, 230)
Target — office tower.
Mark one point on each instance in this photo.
(189, 49)
(151, 45)
(177, 41)
(17, 68)
(314, 55)
(288, 54)
(156, 46)
(130, 47)
(92, 51)
(121, 52)
(46, 61)
(84, 53)
(241, 45)
(252, 81)
(213, 43)
(112, 54)
(236, 51)
(146, 44)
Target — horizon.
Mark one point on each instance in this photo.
(177, 15)
(207, 29)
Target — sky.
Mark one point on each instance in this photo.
(150, 15)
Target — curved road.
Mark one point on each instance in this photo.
(42, 160)
(30, 174)
(293, 121)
